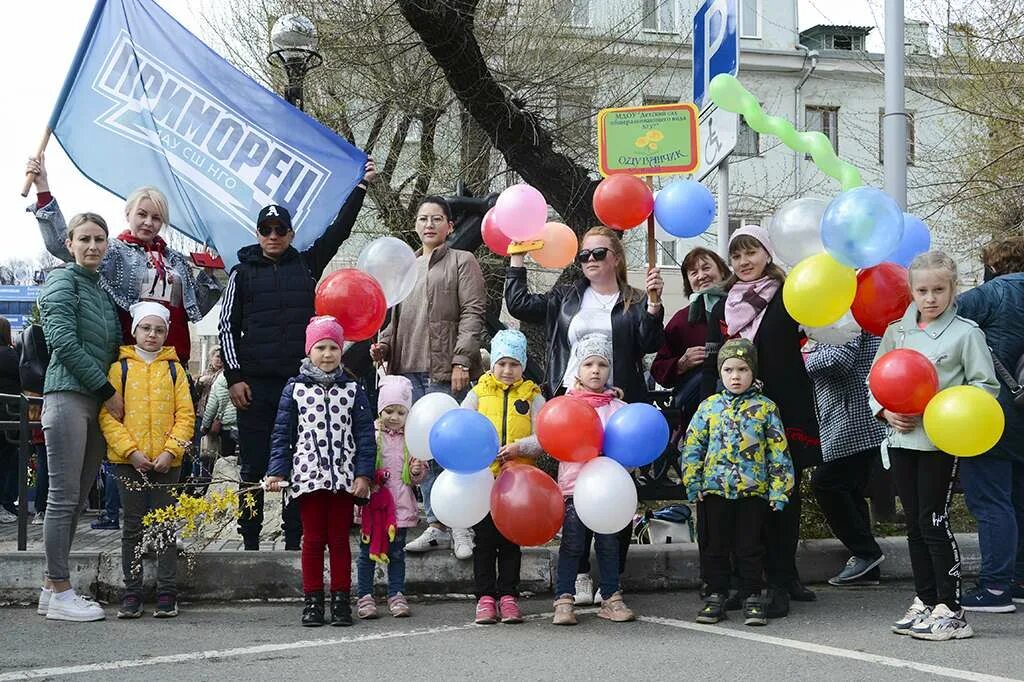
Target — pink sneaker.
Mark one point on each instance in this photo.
(509, 608)
(486, 611)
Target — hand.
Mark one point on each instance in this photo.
(162, 464)
(37, 167)
(904, 423)
(241, 395)
(115, 406)
(379, 352)
(416, 467)
(700, 496)
(273, 484)
(509, 452)
(361, 487)
(654, 285)
(370, 171)
(460, 379)
(141, 463)
(517, 260)
(692, 357)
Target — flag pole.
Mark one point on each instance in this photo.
(30, 177)
(651, 242)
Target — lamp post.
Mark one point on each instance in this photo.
(294, 40)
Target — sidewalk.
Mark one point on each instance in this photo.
(223, 572)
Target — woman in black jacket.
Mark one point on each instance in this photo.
(753, 309)
(10, 384)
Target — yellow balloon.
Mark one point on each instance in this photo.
(819, 290)
(964, 421)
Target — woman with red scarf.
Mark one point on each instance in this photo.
(138, 266)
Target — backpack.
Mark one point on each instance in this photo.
(34, 358)
(172, 367)
(1013, 381)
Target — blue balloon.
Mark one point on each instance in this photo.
(636, 435)
(684, 208)
(862, 227)
(464, 441)
(916, 239)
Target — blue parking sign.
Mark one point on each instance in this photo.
(716, 44)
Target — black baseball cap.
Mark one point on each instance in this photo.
(274, 212)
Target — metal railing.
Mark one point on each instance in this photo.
(14, 414)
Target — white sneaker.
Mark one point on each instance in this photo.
(432, 538)
(74, 608)
(462, 540)
(584, 589)
(44, 601)
(598, 598)
(917, 612)
(7, 517)
(943, 624)
(38, 519)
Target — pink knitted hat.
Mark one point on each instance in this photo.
(394, 389)
(758, 233)
(323, 327)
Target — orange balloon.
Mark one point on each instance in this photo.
(569, 429)
(526, 505)
(559, 248)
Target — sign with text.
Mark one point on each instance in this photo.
(719, 131)
(660, 139)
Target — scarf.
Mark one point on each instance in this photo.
(709, 297)
(154, 249)
(745, 306)
(595, 400)
(319, 376)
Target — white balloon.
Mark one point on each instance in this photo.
(392, 263)
(844, 330)
(424, 414)
(462, 500)
(795, 229)
(605, 496)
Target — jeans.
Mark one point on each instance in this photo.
(492, 549)
(75, 447)
(839, 488)
(138, 499)
(111, 492)
(994, 490)
(571, 551)
(42, 477)
(326, 522)
(734, 532)
(396, 566)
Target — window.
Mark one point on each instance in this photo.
(844, 43)
(573, 111)
(750, 19)
(824, 120)
(660, 16)
(665, 250)
(575, 12)
(748, 141)
(650, 100)
(911, 146)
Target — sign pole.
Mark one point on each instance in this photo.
(652, 244)
(723, 209)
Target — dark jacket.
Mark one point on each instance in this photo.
(635, 332)
(782, 372)
(998, 308)
(267, 303)
(10, 381)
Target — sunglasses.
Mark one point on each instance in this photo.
(281, 230)
(597, 254)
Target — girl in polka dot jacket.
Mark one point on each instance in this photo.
(322, 455)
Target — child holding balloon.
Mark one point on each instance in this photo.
(924, 474)
(737, 465)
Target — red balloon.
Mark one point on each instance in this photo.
(355, 299)
(526, 505)
(494, 238)
(569, 429)
(883, 294)
(903, 381)
(623, 202)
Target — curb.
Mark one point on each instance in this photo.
(230, 576)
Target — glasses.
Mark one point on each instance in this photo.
(149, 329)
(278, 228)
(597, 254)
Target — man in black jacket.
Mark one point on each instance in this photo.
(266, 307)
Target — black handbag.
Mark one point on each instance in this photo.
(1013, 383)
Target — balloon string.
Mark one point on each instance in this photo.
(727, 92)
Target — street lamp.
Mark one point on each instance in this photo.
(294, 40)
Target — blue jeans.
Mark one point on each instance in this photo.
(571, 551)
(994, 490)
(422, 384)
(396, 566)
(111, 493)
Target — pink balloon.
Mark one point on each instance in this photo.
(521, 212)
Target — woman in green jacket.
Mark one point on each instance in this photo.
(82, 332)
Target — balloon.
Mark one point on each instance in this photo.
(461, 500)
(569, 429)
(623, 202)
(795, 229)
(916, 239)
(355, 299)
(964, 421)
(838, 333)
(392, 263)
(521, 212)
(903, 381)
(883, 294)
(819, 290)
(424, 414)
(635, 435)
(493, 236)
(604, 495)
(684, 208)
(526, 505)
(862, 227)
(559, 248)
(464, 441)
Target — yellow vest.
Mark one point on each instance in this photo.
(508, 408)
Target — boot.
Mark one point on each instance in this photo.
(777, 602)
(797, 592)
(341, 609)
(313, 612)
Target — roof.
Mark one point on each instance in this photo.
(823, 29)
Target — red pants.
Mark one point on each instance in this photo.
(326, 522)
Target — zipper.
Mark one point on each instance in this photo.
(327, 411)
(504, 418)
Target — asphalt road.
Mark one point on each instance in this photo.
(844, 636)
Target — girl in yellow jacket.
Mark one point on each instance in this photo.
(147, 447)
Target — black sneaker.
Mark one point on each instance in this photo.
(777, 603)
(166, 606)
(341, 609)
(131, 606)
(754, 612)
(313, 611)
(714, 609)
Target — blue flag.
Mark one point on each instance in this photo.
(148, 103)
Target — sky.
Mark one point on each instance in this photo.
(42, 38)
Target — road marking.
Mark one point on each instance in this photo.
(827, 650)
